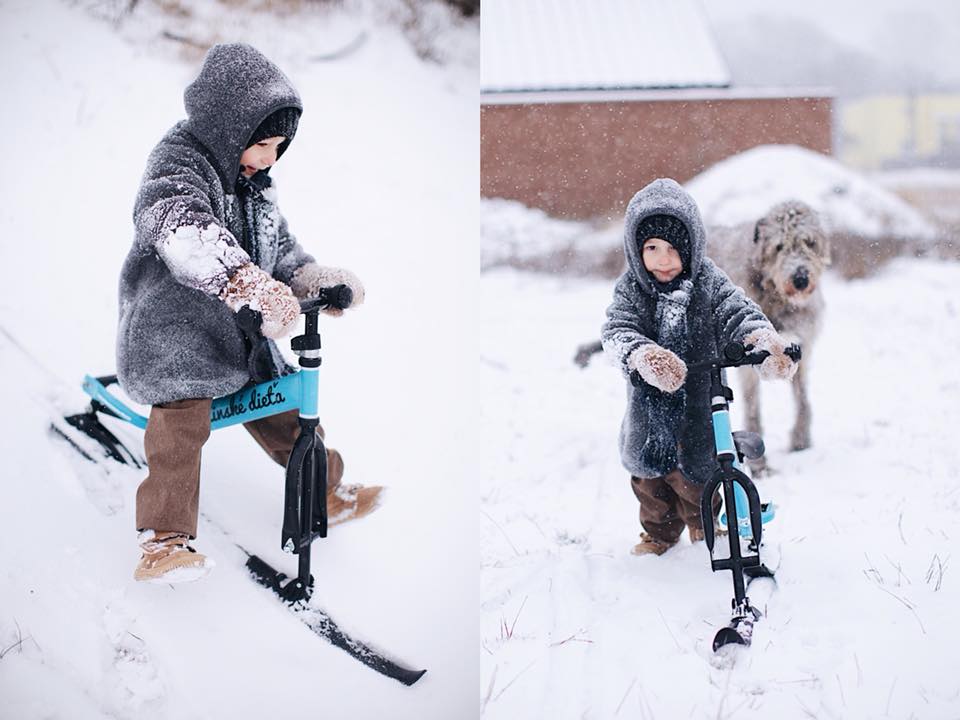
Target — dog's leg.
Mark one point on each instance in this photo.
(800, 436)
(587, 351)
(751, 397)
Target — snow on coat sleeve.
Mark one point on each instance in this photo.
(623, 332)
(735, 314)
(174, 217)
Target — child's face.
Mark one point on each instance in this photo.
(661, 259)
(260, 156)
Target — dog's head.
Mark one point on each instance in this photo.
(794, 250)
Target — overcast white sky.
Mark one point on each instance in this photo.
(861, 24)
(919, 33)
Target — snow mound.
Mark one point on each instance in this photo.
(516, 235)
(743, 187)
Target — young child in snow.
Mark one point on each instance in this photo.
(209, 240)
(674, 305)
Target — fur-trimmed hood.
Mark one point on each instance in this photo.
(662, 197)
(236, 90)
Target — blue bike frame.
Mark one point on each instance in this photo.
(299, 390)
(726, 448)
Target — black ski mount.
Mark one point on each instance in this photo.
(90, 425)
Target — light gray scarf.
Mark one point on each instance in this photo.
(665, 411)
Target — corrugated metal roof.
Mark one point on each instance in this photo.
(531, 45)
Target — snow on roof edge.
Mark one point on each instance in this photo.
(661, 94)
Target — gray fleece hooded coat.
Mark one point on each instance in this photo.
(717, 312)
(177, 339)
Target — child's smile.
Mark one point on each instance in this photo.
(260, 156)
(661, 259)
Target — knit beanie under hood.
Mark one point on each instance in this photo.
(669, 228)
(280, 122)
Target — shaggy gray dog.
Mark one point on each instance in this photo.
(779, 262)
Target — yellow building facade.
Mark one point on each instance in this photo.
(894, 130)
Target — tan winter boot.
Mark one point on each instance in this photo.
(168, 558)
(649, 545)
(350, 502)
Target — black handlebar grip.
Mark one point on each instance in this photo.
(339, 296)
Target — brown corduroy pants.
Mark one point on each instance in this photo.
(169, 498)
(668, 503)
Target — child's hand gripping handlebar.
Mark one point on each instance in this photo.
(338, 296)
(736, 354)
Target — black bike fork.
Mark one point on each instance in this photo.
(304, 514)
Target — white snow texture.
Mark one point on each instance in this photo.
(201, 258)
(863, 621)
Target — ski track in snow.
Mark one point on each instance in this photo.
(863, 620)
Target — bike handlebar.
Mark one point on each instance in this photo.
(737, 354)
(734, 355)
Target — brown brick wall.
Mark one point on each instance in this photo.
(586, 159)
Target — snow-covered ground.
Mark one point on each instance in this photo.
(381, 179)
(863, 623)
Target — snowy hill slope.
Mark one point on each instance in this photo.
(78, 638)
(514, 235)
(743, 187)
(864, 621)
